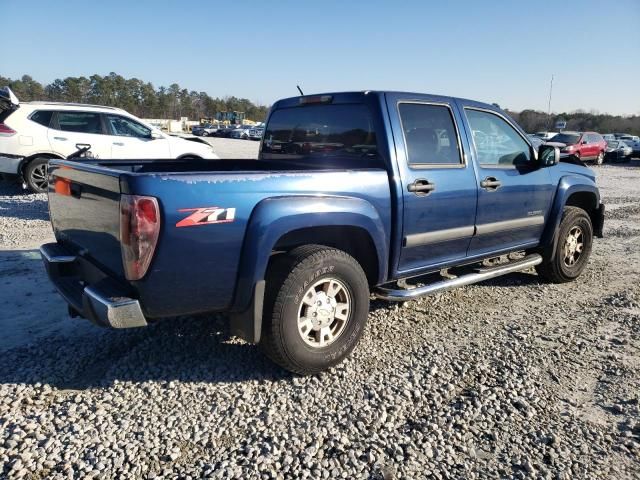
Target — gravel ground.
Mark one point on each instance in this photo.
(511, 379)
(233, 148)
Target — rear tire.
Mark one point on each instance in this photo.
(572, 248)
(316, 308)
(35, 175)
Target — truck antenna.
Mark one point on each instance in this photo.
(300, 90)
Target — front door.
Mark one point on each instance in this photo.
(133, 140)
(439, 187)
(515, 195)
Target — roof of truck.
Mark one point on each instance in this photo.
(356, 93)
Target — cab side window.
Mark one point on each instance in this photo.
(430, 134)
(496, 142)
(125, 127)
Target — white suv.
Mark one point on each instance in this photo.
(31, 133)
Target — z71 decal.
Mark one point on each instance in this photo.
(206, 216)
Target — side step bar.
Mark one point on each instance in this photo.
(486, 273)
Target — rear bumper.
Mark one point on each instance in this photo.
(10, 163)
(88, 291)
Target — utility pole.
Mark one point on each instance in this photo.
(549, 105)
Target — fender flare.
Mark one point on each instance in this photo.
(567, 186)
(274, 217)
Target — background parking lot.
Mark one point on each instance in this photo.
(508, 378)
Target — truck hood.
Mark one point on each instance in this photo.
(567, 167)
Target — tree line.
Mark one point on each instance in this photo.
(145, 101)
(535, 121)
(133, 95)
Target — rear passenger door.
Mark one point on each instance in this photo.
(69, 128)
(439, 187)
(515, 194)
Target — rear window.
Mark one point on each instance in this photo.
(320, 131)
(43, 117)
(568, 138)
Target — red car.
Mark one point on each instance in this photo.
(584, 146)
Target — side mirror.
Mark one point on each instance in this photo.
(548, 155)
(155, 135)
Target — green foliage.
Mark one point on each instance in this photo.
(534, 121)
(133, 95)
(145, 101)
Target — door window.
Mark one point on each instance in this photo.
(81, 122)
(430, 134)
(125, 127)
(497, 143)
(43, 117)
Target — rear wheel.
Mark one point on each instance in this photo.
(35, 175)
(572, 248)
(600, 158)
(316, 308)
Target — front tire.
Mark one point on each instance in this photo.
(572, 248)
(316, 308)
(35, 175)
(600, 158)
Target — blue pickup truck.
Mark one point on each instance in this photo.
(396, 195)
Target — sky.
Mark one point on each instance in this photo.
(493, 51)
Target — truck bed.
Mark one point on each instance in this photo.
(85, 213)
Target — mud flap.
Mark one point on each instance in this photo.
(248, 324)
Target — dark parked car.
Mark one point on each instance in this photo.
(618, 151)
(634, 142)
(205, 130)
(585, 146)
(226, 131)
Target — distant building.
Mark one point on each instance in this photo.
(231, 117)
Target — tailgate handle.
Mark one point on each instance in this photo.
(76, 190)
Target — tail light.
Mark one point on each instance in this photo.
(139, 230)
(6, 130)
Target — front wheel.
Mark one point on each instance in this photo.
(600, 158)
(35, 175)
(316, 308)
(572, 248)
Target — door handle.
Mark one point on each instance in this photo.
(491, 183)
(421, 187)
(62, 139)
(119, 144)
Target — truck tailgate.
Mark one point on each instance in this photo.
(84, 205)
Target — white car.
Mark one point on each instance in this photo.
(32, 133)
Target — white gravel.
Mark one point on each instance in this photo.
(507, 379)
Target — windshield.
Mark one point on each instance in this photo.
(612, 144)
(320, 131)
(568, 138)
